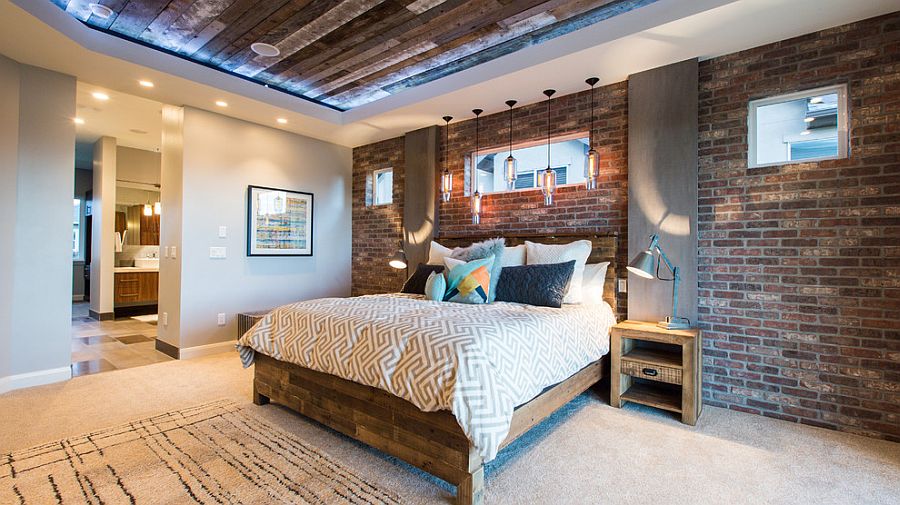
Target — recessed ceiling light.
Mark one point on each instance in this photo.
(263, 49)
(282, 120)
(101, 11)
(221, 103)
(805, 132)
(100, 96)
(146, 84)
(78, 120)
(809, 119)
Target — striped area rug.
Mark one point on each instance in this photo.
(211, 453)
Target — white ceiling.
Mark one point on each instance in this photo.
(661, 33)
(134, 121)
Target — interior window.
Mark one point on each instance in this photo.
(805, 126)
(568, 156)
(383, 186)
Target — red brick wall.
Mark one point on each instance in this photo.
(377, 230)
(800, 264)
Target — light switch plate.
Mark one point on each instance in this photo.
(172, 253)
(165, 319)
(623, 285)
(223, 231)
(220, 319)
(217, 252)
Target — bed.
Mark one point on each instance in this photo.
(491, 372)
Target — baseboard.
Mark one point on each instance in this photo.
(77, 298)
(101, 316)
(38, 378)
(206, 350)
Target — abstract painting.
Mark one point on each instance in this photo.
(279, 222)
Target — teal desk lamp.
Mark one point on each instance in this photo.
(643, 266)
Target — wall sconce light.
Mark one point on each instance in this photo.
(398, 260)
(548, 181)
(511, 166)
(476, 196)
(446, 176)
(592, 168)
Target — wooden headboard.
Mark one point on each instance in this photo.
(604, 249)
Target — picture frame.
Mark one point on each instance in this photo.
(279, 222)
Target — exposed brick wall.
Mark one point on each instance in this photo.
(800, 264)
(377, 230)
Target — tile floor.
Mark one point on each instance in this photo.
(111, 345)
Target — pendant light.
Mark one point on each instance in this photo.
(548, 181)
(157, 208)
(476, 197)
(446, 176)
(510, 166)
(148, 209)
(592, 168)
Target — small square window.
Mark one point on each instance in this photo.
(798, 127)
(383, 186)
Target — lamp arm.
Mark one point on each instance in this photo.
(676, 276)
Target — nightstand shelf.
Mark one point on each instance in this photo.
(656, 367)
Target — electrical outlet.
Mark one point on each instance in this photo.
(223, 231)
(165, 319)
(623, 285)
(217, 253)
(221, 319)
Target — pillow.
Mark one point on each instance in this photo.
(468, 282)
(541, 285)
(435, 287)
(489, 248)
(437, 253)
(513, 256)
(593, 282)
(542, 254)
(416, 282)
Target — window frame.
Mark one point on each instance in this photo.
(843, 121)
(375, 174)
(471, 179)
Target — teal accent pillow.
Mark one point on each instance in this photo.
(468, 282)
(435, 287)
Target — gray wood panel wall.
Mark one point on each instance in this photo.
(662, 184)
(419, 195)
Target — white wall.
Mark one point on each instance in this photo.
(38, 159)
(171, 178)
(137, 165)
(221, 157)
(103, 229)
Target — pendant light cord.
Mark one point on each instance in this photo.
(591, 133)
(510, 130)
(548, 132)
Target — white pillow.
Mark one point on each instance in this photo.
(543, 254)
(513, 256)
(593, 283)
(437, 253)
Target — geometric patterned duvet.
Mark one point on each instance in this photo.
(478, 361)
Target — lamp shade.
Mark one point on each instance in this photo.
(591, 169)
(446, 185)
(476, 208)
(398, 260)
(643, 264)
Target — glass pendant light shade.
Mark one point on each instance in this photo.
(148, 209)
(548, 181)
(157, 208)
(592, 168)
(446, 175)
(476, 207)
(511, 169)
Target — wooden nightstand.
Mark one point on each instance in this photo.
(657, 367)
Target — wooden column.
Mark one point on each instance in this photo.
(662, 184)
(420, 193)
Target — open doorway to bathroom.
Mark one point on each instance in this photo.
(115, 231)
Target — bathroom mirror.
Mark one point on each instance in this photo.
(137, 214)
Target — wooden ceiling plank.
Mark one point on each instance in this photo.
(242, 17)
(278, 32)
(156, 30)
(192, 22)
(308, 68)
(605, 11)
(136, 17)
(309, 33)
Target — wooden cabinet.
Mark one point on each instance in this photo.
(136, 288)
(657, 367)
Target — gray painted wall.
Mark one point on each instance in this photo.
(171, 170)
(137, 165)
(37, 139)
(662, 184)
(221, 157)
(420, 199)
(103, 229)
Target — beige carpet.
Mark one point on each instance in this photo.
(587, 453)
(211, 453)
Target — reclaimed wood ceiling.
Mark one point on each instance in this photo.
(345, 53)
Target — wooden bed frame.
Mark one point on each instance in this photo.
(431, 441)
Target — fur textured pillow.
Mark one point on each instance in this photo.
(480, 250)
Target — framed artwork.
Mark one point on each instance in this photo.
(279, 222)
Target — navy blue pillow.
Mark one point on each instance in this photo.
(416, 282)
(540, 285)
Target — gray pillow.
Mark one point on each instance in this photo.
(540, 285)
(480, 250)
